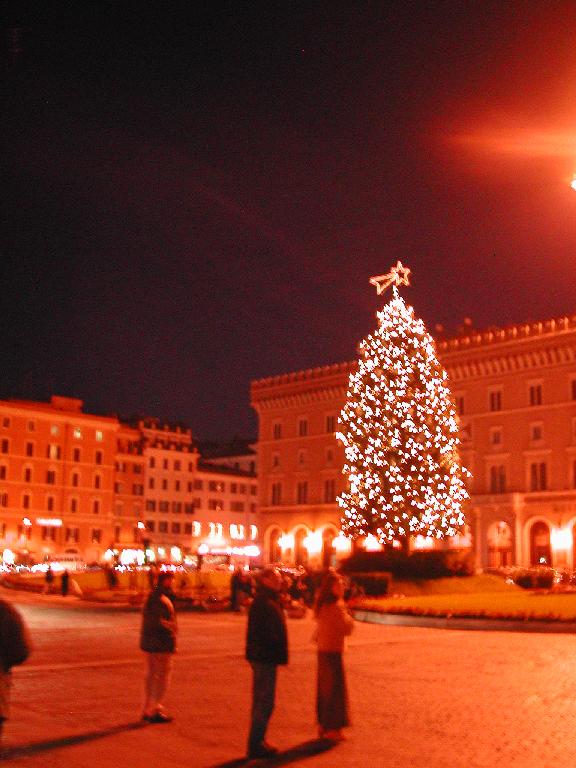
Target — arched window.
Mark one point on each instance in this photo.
(328, 551)
(274, 550)
(540, 552)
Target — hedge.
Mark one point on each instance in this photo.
(434, 564)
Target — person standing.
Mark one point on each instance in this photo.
(65, 583)
(266, 649)
(48, 580)
(158, 641)
(15, 648)
(334, 624)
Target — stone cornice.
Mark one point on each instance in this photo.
(489, 353)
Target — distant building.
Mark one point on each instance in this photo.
(92, 486)
(515, 392)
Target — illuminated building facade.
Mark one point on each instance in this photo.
(79, 484)
(515, 391)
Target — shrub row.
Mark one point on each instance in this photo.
(371, 584)
(436, 564)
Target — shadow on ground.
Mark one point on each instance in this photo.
(24, 750)
(299, 752)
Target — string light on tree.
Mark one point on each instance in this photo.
(400, 432)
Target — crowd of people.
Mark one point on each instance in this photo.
(266, 648)
(268, 596)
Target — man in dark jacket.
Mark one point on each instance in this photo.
(158, 641)
(266, 648)
(14, 650)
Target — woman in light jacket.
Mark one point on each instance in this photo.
(334, 623)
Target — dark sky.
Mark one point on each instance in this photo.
(195, 195)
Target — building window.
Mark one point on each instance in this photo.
(72, 535)
(302, 427)
(137, 489)
(31, 426)
(176, 485)
(27, 475)
(188, 529)
(538, 476)
(76, 455)
(237, 506)
(165, 463)
(215, 505)
(99, 435)
(189, 508)
(96, 535)
(242, 487)
(75, 479)
(51, 477)
(275, 460)
(97, 481)
(214, 485)
(329, 491)
(460, 405)
(329, 456)
(535, 394)
(177, 507)
(48, 533)
(151, 462)
(175, 527)
(96, 506)
(536, 432)
(3, 499)
(150, 526)
(277, 430)
(496, 436)
(498, 479)
(164, 506)
(495, 400)
(276, 495)
(50, 503)
(150, 482)
(253, 490)
(4, 472)
(573, 389)
(164, 484)
(162, 526)
(73, 505)
(150, 505)
(26, 501)
(77, 433)
(301, 457)
(302, 492)
(4, 445)
(98, 457)
(29, 449)
(233, 487)
(177, 465)
(54, 430)
(330, 423)
(5, 422)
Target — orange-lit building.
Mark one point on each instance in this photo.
(515, 391)
(73, 483)
(56, 478)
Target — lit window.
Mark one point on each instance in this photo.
(77, 433)
(99, 435)
(54, 430)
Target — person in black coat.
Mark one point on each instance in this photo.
(158, 641)
(266, 649)
(14, 649)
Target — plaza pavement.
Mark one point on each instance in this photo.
(420, 697)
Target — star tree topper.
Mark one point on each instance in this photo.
(398, 275)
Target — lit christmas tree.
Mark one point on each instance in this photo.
(400, 432)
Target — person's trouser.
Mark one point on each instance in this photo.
(158, 669)
(263, 695)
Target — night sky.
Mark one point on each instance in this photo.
(196, 195)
